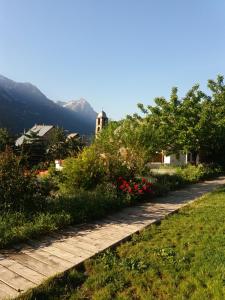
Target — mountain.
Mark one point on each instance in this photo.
(23, 104)
(80, 106)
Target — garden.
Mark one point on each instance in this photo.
(113, 172)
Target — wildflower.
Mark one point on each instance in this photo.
(121, 187)
(129, 190)
(136, 186)
(144, 187)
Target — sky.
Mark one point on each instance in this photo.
(114, 53)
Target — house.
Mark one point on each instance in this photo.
(175, 160)
(73, 135)
(180, 159)
(58, 164)
(42, 131)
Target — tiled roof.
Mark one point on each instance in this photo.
(41, 130)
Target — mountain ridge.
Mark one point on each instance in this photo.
(80, 106)
(22, 104)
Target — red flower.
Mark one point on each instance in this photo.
(121, 187)
(136, 186)
(144, 187)
(129, 190)
(143, 180)
(140, 191)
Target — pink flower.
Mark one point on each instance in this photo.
(144, 187)
(121, 187)
(136, 186)
(129, 190)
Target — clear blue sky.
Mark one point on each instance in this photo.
(114, 53)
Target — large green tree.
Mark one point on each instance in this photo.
(193, 124)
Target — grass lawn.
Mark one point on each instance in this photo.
(181, 258)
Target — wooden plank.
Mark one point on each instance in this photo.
(77, 241)
(6, 291)
(73, 250)
(97, 242)
(50, 259)
(59, 253)
(33, 264)
(106, 235)
(50, 240)
(27, 273)
(14, 280)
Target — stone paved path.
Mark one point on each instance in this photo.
(27, 265)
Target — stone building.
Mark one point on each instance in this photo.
(101, 121)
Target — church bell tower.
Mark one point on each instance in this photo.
(101, 121)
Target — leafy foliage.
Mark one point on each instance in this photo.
(19, 190)
(5, 139)
(194, 124)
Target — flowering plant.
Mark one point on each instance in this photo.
(138, 187)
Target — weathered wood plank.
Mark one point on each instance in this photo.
(6, 291)
(19, 269)
(33, 264)
(14, 280)
(75, 259)
(50, 259)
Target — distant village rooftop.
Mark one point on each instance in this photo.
(41, 131)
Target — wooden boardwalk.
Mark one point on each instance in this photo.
(27, 265)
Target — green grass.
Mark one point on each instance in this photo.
(181, 258)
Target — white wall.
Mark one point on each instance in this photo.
(174, 160)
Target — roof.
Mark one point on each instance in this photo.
(102, 114)
(41, 130)
(72, 135)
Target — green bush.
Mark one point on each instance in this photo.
(19, 190)
(192, 173)
(167, 182)
(88, 205)
(90, 169)
(85, 171)
(184, 175)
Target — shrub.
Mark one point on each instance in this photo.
(19, 191)
(85, 171)
(192, 173)
(87, 205)
(90, 169)
(184, 175)
(167, 182)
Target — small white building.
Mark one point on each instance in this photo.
(58, 164)
(175, 160)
